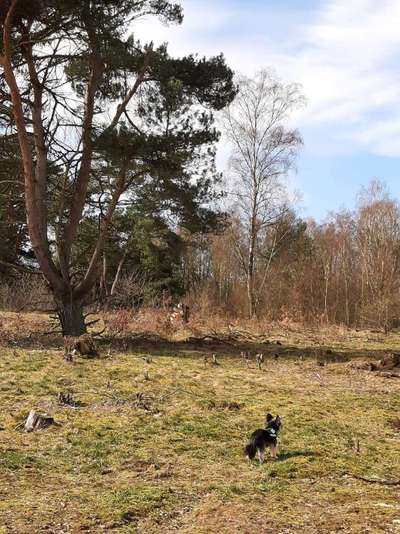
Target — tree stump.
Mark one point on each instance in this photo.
(37, 421)
(67, 399)
(214, 360)
(84, 344)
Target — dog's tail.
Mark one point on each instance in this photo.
(250, 450)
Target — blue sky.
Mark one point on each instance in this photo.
(346, 55)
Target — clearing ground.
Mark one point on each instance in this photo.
(162, 450)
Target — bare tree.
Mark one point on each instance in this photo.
(378, 247)
(344, 270)
(264, 149)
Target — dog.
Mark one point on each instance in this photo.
(263, 438)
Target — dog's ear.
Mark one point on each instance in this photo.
(269, 417)
(278, 420)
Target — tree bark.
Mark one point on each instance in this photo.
(33, 193)
(97, 68)
(70, 313)
(103, 281)
(250, 267)
(69, 294)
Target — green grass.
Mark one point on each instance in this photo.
(178, 465)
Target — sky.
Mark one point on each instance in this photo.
(346, 56)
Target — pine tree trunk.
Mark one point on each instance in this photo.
(71, 318)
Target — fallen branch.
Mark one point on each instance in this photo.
(382, 481)
(387, 363)
(240, 334)
(209, 337)
(91, 323)
(89, 313)
(387, 374)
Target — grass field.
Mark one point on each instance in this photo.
(171, 458)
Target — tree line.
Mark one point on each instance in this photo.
(345, 270)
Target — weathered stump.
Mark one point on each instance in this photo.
(37, 421)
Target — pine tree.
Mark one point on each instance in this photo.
(109, 116)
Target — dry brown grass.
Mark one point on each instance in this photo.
(171, 459)
(22, 327)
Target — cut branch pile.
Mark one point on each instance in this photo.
(383, 367)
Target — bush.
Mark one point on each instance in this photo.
(27, 293)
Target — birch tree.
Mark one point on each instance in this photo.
(264, 149)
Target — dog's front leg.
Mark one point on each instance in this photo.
(261, 456)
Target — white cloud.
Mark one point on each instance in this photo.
(351, 48)
(344, 52)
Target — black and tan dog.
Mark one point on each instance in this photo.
(263, 438)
